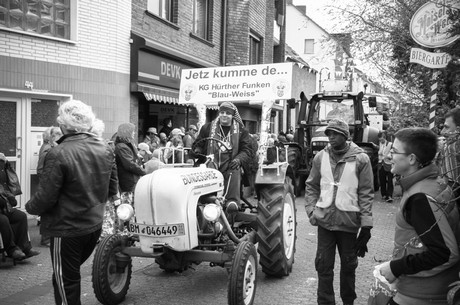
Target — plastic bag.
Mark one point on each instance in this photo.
(12, 180)
(381, 291)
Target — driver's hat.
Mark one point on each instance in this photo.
(339, 126)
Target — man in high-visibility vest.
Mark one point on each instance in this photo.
(339, 194)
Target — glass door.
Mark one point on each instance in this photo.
(10, 134)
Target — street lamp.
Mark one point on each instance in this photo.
(320, 72)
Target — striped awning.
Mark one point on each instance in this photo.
(161, 98)
(163, 95)
(158, 94)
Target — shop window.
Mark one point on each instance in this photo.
(309, 46)
(202, 15)
(163, 9)
(44, 113)
(254, 50)
(52, 18)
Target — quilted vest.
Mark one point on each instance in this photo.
(428, 284)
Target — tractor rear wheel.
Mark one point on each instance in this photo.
(276, 233)
(243, 274)
(111, 279)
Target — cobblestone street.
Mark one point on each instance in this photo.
(29, 282)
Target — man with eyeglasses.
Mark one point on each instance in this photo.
(426, 254)
(152, 139)
(339, 193)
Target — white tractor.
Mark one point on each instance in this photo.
(178, 219)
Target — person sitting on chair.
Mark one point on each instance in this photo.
(13, 222)
(229, 128)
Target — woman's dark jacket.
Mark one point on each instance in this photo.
(79, 176)
(129, 170)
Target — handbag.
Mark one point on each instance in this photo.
(12, 180)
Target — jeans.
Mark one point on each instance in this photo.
(324, 264)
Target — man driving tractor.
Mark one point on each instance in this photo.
(228, 128)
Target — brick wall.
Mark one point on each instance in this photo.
(238, 33)
(102, 39)
(245, 17)
(177, 36)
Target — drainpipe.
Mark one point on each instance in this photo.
(223, 48)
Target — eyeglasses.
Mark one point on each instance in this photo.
(150, 133)
(393, 152)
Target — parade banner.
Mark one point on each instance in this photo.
(236, 83)
(430, 24)
(429, 59)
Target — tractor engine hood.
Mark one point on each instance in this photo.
(169, 197)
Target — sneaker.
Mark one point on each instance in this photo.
(232, 207)
(17, 255)
(389, 199)
(31, 253)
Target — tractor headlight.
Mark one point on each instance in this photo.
(211, 212)
(125, 211)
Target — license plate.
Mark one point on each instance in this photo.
(158, 231)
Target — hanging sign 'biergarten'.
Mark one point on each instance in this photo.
(430, 24)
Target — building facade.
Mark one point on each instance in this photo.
(170, 35)
(52, 51)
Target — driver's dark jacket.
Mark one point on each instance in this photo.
(244, 146)
(80, 174)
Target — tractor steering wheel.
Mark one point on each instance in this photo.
(202, 158)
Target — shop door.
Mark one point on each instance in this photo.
(11, 142)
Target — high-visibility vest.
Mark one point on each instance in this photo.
(346, 197)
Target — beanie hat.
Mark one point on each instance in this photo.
(125, 131)
(339, 126)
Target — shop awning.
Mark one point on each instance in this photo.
(163, 95)
(159, 94)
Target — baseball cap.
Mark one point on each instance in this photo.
(339, 126)
(144, 147)
(152, 130)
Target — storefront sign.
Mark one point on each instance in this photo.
(157, 70)
(429, 59)
(430, 24)
(236, 83)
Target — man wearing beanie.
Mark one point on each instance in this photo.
(339, 194)
(229, 128)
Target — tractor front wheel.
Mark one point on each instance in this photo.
(111, 270)
(243, 274)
